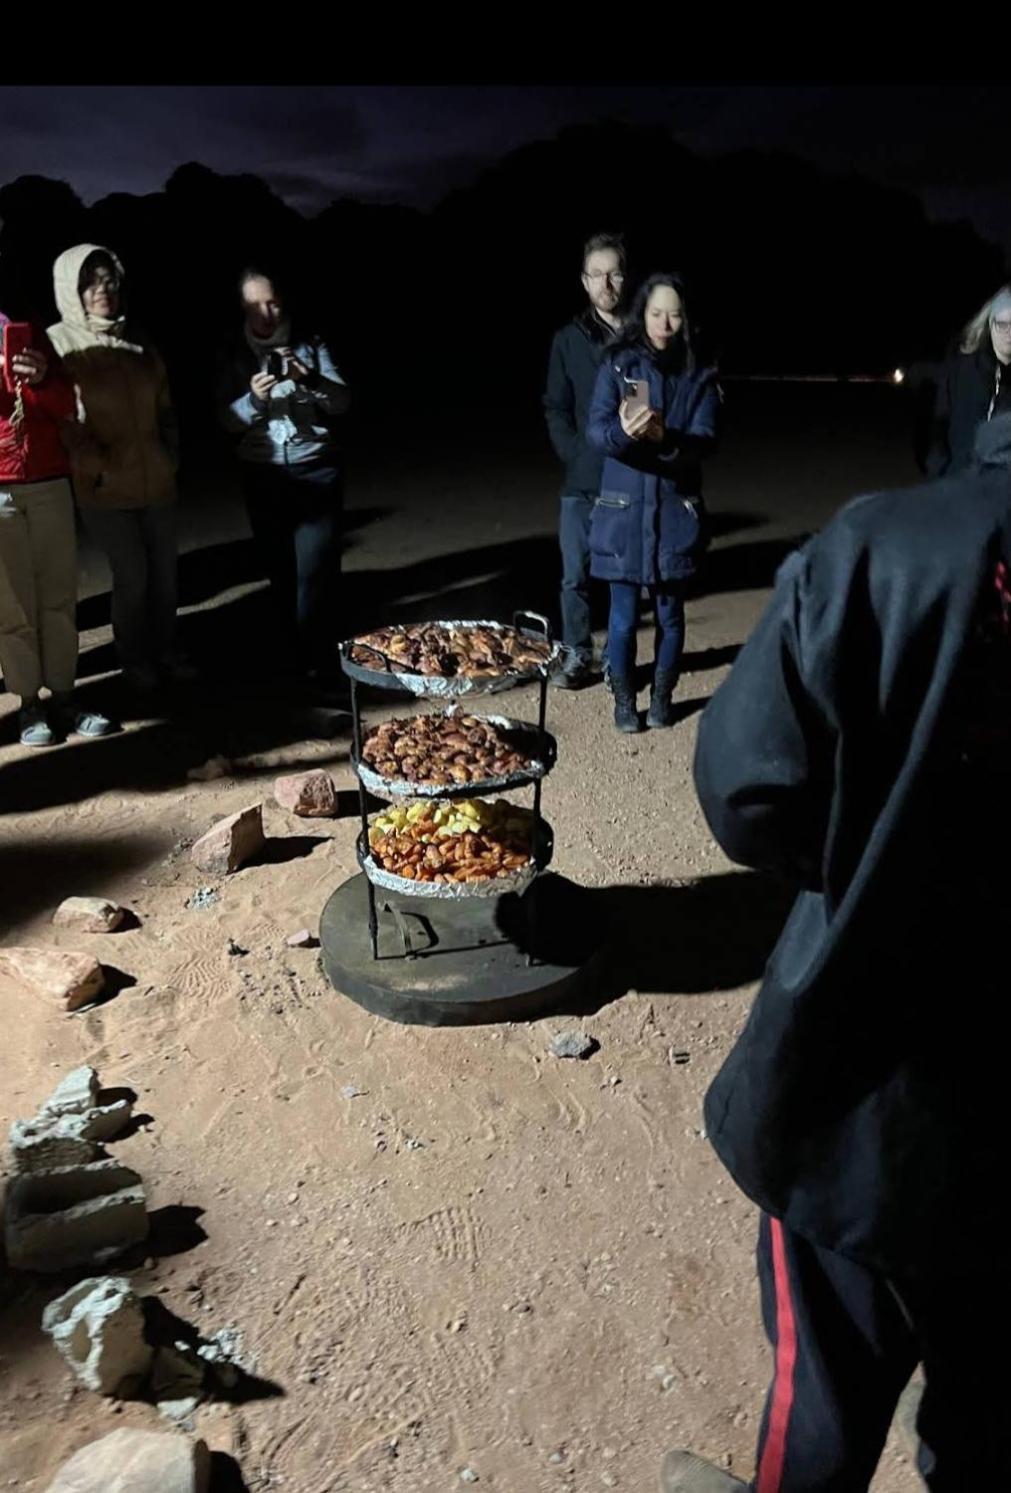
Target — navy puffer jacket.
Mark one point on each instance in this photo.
(648, 523)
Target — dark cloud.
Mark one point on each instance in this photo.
(415, 143)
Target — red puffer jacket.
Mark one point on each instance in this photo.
(36, 453)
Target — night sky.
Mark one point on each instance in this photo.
(413, 143)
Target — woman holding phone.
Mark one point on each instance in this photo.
(38, 544)
(654, 414)
(282, 397)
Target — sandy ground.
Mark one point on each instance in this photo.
(557, 1283)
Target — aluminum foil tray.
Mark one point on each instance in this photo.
(452, 686)
(391, 788)
(497, 886)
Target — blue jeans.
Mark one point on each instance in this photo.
(295, 516)
(669, 606)
(574, 539)
(140, 546)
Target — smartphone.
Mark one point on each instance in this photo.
(17, 338)
(276, 365)
(636, 394)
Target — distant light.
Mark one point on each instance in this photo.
(898, 377)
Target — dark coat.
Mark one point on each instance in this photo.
(648, 523)
(970, 387)
(576, 354)
(862, 746)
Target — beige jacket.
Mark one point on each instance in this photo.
(123, 448)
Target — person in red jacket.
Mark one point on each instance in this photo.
(38, 547)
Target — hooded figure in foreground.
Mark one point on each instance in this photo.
(861, 746)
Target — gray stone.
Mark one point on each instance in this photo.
(73, 1216)
(303, 939)
(572, 1044)
(204, 896)
(231, 842)
(89, 915)
(98, 1327)
(137, 1462)
(70, 1126)
(74, 1094)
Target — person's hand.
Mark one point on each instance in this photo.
(294, 367)
(261, 384)
(654, 428)
(636, 422)
(30, 365)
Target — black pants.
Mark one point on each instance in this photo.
(295, 516)
(847, 1341)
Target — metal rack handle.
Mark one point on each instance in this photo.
(545, 625)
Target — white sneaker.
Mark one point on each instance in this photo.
(33, 728)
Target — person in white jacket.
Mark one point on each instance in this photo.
(281, 395)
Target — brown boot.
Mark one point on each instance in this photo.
(683, 1472)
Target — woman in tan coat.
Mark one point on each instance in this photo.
(124, 457)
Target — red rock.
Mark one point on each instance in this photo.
(75, 979)
(231, 842)
(311, 795)
(89, 915)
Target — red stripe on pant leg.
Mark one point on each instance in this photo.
(770, 1474)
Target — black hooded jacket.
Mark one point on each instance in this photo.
(576, 354)
(973, 387)
(862, 746)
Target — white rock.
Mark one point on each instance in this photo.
(89, 915)
(137, 1462)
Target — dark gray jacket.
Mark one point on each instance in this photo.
(862, 747)
(576, 354)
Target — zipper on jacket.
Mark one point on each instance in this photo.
(996, 390)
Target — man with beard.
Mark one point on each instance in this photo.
(576, 354)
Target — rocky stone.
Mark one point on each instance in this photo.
(89, 915)
(70, 1126)
(75, 1215)
(74, 979)
(204, 896)
(231, 842)
(303, 939)
(98, 1327)
(572, 1044)
(137, 1462)
(311, 795)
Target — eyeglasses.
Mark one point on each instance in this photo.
(1003, 327)
(617, 276)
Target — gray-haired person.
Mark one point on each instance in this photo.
(975, 385)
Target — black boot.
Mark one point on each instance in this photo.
(661, 711)
(626, 717)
